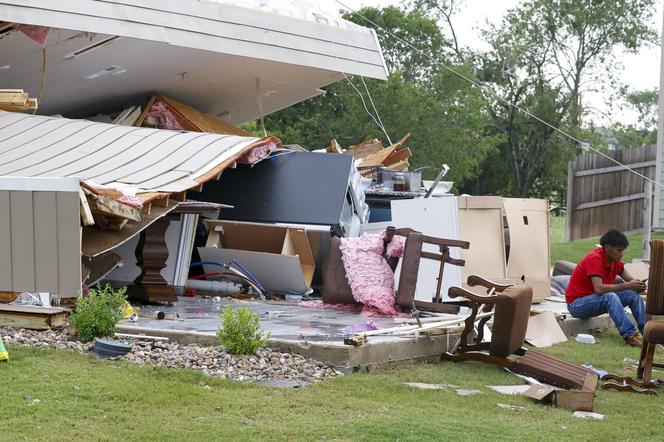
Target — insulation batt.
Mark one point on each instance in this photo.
(370, 277)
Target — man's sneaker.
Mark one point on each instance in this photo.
(636, 340)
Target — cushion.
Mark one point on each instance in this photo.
(654, 332)
(510, 320)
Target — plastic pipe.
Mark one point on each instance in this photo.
(212, 286)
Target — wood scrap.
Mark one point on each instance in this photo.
(103, 205)
(362, 150)
(334, 147)
(32, 317)
(401, 166)
(17, 100)
(399, 155)
(377, 158)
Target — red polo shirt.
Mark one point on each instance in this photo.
(594, 263)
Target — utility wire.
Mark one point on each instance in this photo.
(490, 92)
(375, 110)
(380, 125)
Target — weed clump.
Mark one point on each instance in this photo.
(97, 314)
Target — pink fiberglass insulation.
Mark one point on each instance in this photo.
(370, 277)
(258, 153)
(166, 117)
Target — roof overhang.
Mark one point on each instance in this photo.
(106, 54)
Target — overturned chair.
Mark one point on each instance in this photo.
(510, 305)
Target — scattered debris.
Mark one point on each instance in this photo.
(588, 415)
(464, 392)
(543, 330)
(509, 389)
(585, 338)
(424, 386)
(511, 407)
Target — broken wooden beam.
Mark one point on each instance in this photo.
(32, 317)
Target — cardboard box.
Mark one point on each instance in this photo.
(575, 400)
(279, 257)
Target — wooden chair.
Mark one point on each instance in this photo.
(336, 289)
(511, 307)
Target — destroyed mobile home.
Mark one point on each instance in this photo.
(141, 190)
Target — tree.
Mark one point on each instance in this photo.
(544, 56)
(446, 115)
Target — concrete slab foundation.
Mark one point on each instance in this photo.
(319, 333)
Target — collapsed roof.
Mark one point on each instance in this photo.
(229, 61)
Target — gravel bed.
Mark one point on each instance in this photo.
(266, 367)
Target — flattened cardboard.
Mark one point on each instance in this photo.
(638, 270)
(481, 223)
(528, 222)
(544, 330)
(279, 257)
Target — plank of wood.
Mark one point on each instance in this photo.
(86, 213)
(377, 158)
(362, 150)
(601, 170)
(616, 200)
(15, 98)
(39, 319)
(108, 206)
(334, 147)
(398, 156)
(400, 166)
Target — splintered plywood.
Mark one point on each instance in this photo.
(528, 222)
(40, 236)
(434, 217)
(481, 224)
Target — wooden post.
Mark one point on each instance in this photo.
(570, 200)
(647, 218)
(151, 256)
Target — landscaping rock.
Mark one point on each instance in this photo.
(267, 367)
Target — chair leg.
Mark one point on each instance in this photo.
(481, 357)
(642, 360)
(647, 369)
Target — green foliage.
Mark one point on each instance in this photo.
(543, 57)
(240, 331)
(97, 314)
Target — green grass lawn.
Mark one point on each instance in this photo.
(84, 398)
(574, 251)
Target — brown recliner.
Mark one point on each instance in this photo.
(511, 306)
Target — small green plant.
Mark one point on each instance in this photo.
(240, 331)
(97, 314)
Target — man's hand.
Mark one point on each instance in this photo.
(636, 285)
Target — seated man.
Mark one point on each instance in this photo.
(592, 289)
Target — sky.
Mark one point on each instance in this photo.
(641, 71)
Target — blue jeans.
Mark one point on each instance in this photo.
(614, 304)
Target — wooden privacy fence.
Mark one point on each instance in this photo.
(603, 195)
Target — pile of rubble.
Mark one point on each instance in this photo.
(267, 366)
